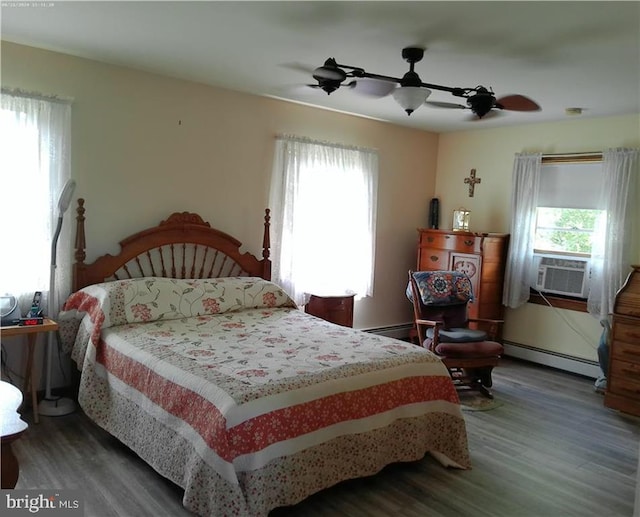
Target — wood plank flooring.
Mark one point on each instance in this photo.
(552, 449)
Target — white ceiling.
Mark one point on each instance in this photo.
(561, 54)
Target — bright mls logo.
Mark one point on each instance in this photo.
(41, 502)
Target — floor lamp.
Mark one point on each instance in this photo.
(50, 405)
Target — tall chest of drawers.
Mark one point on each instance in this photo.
(623, 380)
(482, 256)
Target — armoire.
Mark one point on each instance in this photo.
(482, 256)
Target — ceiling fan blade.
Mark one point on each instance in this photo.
(299, 67)
(517, 103)
(298, 89)
(374, 87)
(450, 105)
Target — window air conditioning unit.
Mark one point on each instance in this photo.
(568, 276)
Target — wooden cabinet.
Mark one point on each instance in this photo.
(623, 380)
(336, 309)
(30, 376)
(482, 256)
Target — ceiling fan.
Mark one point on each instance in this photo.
(412, 92)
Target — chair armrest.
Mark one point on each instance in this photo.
(436, 325)
(493, 326)
(431, 323)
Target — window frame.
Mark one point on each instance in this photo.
(561, 301)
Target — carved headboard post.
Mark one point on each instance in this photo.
(80, 255)
(266, 245)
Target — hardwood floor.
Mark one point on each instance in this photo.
(551, 449)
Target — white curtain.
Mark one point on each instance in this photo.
(323, 201)
(611, 256)
(35, 140)
(526, 182)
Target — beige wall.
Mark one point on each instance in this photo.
(146, 145)
(491, 153)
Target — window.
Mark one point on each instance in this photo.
(565, 230)
(323, 202)
(34, 164)
(567, 206)
(567, 220)
(581, 206)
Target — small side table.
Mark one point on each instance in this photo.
(336, 309)
(31, 331)
(11, 428)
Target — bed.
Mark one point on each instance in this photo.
(190, 356)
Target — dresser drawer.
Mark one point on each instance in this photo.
(627, 330)
(464, 242)
(625, 351)
(624, 379)
(433, 260)
(631, 371)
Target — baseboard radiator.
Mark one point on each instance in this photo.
(396, 331)
(517, 350)
(554, 359)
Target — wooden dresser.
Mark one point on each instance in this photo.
(623, 380)
(481, 255)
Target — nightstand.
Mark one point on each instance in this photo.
(31, 331)
(336, 309)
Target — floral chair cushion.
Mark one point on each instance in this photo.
(442, 287)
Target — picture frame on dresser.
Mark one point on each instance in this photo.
(461, 220)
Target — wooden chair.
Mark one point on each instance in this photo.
(440, 305)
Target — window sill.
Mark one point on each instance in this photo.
(561, 302)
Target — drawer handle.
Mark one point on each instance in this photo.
(434, 258)
(430, 239)
(468, 242)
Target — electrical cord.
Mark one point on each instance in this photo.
(561, 315)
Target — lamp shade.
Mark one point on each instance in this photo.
(411, 97)
(65, 196)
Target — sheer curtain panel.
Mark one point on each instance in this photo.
(611, 257)
(323, 204)
(35, 140)
(524, 198)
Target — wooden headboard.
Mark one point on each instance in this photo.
(182, 246)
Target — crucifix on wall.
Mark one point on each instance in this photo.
(472, 180)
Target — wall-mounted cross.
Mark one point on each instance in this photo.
(472, 180)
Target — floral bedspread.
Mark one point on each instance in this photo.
(248, 403)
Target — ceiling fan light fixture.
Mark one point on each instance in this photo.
(411, 93)
(411, 98)
(330, 71)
